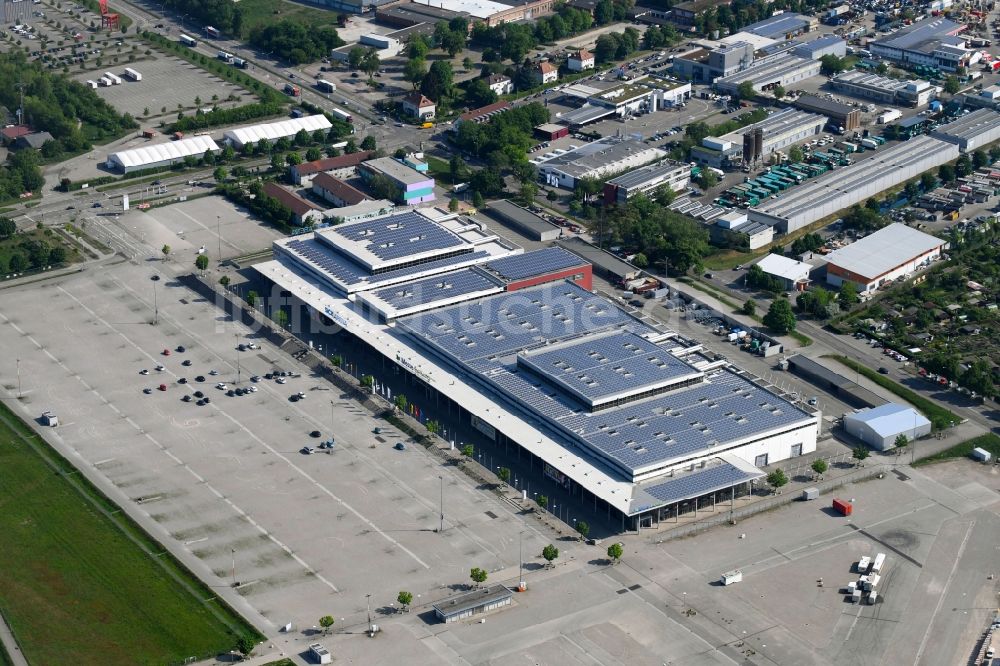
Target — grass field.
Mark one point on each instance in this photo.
(76, 577)
(4, 659)
(264, 12)
(989, 441)
(12, 245)
(938, 416)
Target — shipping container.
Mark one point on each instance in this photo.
(115, 79)
(188, 41)
(844, 507)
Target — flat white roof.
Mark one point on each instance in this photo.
(884, 250)
(161, 152)
(277, 130)
(478, 8)
(789, 269)
(889, 419)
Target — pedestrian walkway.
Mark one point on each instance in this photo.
(10, 644)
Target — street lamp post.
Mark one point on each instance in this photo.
(218, 232)
(237, 358)
(18, 378)
(234, 567)
(441, 519)
(156, 307)
(520, 559)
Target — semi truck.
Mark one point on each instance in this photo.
(212, 32)
(115, 79)
(291, 90)
(888, 116)
(188, 41)
(325, 86)
(133, 74)
(343, 115)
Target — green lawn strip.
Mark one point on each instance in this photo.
(283, 662)
(939, 416)
(266, 12)
(801, 338)
(76, 573)
(439, 168)
(988, 441)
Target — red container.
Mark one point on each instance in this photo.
(844, 507)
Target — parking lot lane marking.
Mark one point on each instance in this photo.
(103, 462)
(850, 629)
(944, 591)
(250, 434)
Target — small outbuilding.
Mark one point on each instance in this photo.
(794, 274)
(879, 427)
(472, 603)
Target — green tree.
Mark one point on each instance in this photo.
(201, 262)
(615, 552)
(832, 65)
(819, 466)
(7, 228)
(355, 56)
(281, 319)
(433, 427)
(313, 154)
(417, 48)
(405, 599)
(779, 317)
(18, 263)
(370, 63)
(219, 174)
(468, 450)
(952, 85)
(848, 295)
(453, 205)
(795, 154)
(368, 143)
(245, 645)
(550, 553)
(777, 479)
(640, 260)
(477, 199)
(528, 192)
(749, 307)
(478, 576)
(467, 63)
(542, 501)
(927, 181)
(456, 168)
(902, 441)
(224, 281)
(165, 250)
(251, 298)
(401, 402)
(414, 71)
(778, 92)
(503, 474)
(946, 173)
(583, 528)
(860, 453)
(326, 622)
(367, 381)
(745, 91)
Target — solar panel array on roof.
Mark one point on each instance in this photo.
(599, 368)
(500, 325)
(351, 276)
(398, 236)
(700, 482)
(532, 264)
(436, 288)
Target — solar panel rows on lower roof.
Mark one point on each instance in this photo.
(350, 273)
(721, 410)
(605, 365)
(700, 482)
(530, 264)
(400, 235)
(436, 288)
(537, 396)
(505, 323)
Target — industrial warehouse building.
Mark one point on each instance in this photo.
(606, 264)
(839, 189)
(880, 426)
(782, 26)
(839, 114)
(733, 229)
(303, 212)
(489, 12)
(336, 191)
(757, 142)
(646, 180)
(888, 254)
(161, 154)
(884, 90)
(591, 160)
(625, 414)
(793, 274)
(972, 131)
(625, 99)
(785, 70)
(933, 41)
(523, 220)
(282, 129)
(825, 45)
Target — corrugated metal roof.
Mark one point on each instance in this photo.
(889, 419)
(789, 269)
(883, 250)
(163, 152)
